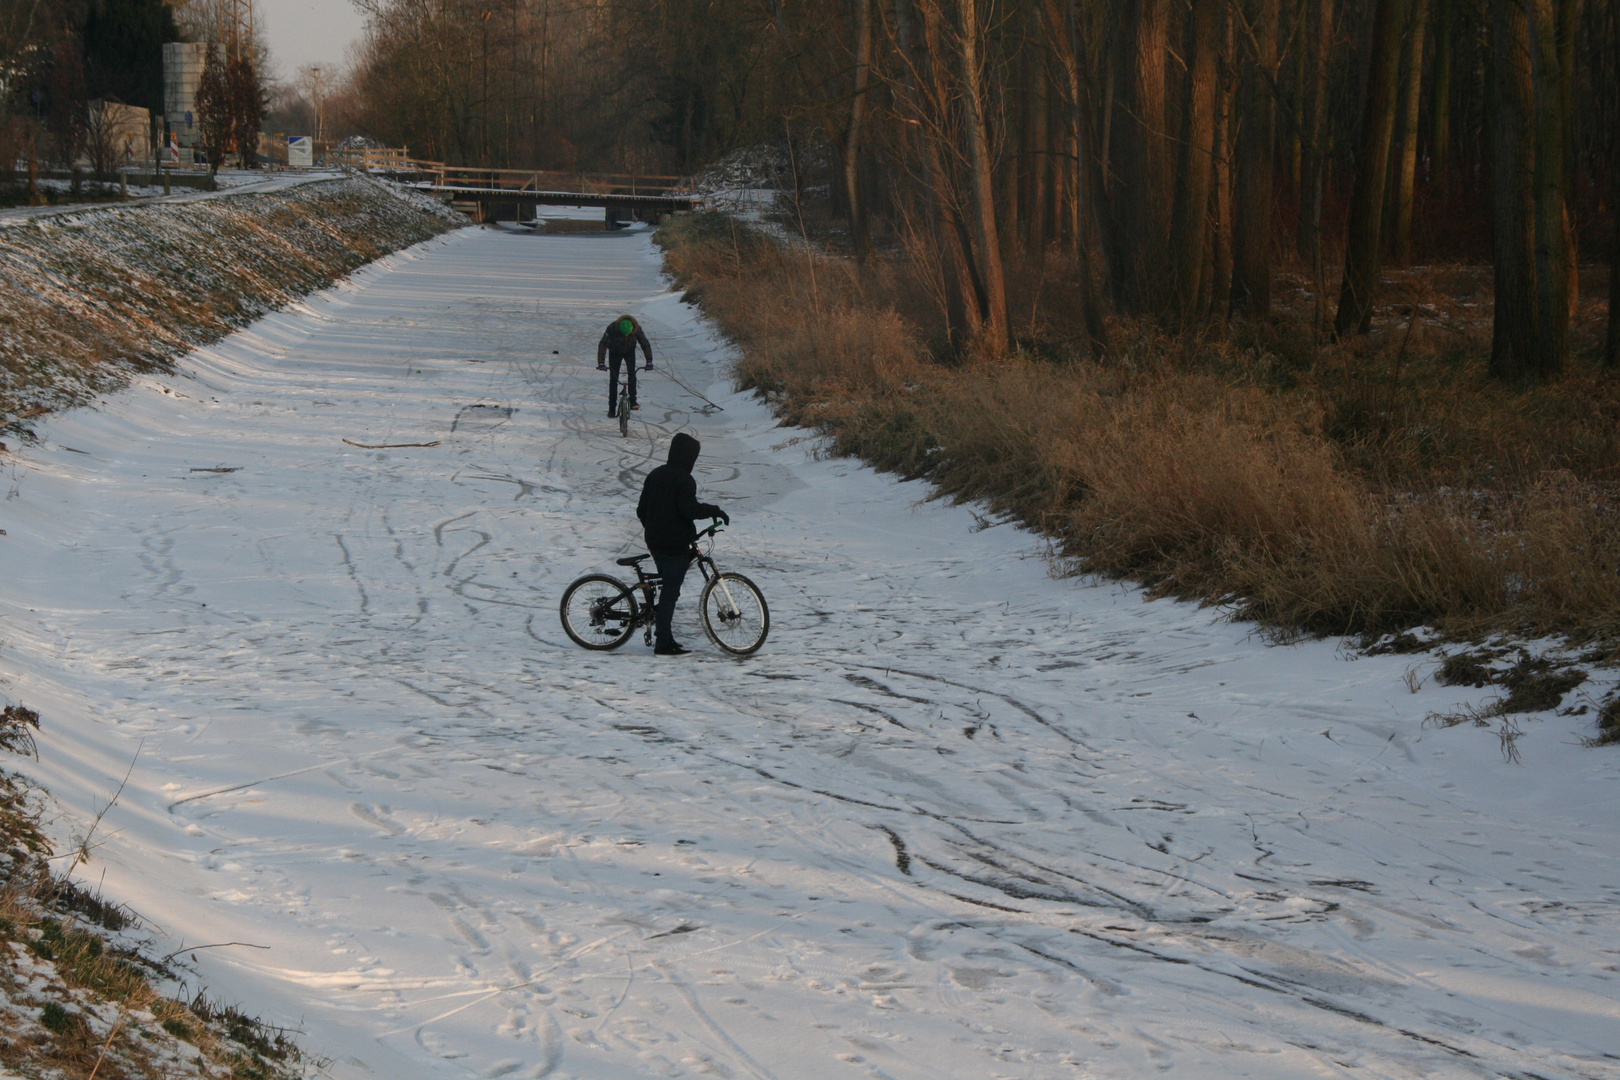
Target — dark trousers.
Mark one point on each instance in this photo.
(672, 567)
(614, 360)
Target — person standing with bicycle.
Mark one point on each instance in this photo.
(618, 345)
(667, 509)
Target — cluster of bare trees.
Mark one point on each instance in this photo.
(1174, 146)
(470, 82)
(51, 73)
(1177, 150)
(650, 85)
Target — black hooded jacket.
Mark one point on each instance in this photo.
(669, 499)
(623, 345)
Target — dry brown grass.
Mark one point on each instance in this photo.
(77, 999)
(1364, 490)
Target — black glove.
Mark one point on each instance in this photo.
(725, 518)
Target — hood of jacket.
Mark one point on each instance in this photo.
(683, 451)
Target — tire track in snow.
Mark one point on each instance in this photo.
(1130, 846)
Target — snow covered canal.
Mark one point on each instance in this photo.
(956, 819)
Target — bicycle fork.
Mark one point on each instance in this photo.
(732, 610)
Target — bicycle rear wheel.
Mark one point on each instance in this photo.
(598, 612)
(734, 614)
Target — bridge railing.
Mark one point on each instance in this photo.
(399, 162)
(394, 159)
(517, 180)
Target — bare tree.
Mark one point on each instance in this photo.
(858, 108)
(1403, 159)
(1530, 210)
(1189, 230)
(986, 233)
(65, 92)
(1611, 351)
(1253, 204)
(1062, 20)
(316, 82)
(1372, 170)
(1138, 169)
(100, 141)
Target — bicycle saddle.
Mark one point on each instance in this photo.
(632, 560)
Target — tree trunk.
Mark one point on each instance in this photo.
(1531, 185)
(1063, 23)
(1140, 168)
(1296, 120)
(858, 235)
(1320, 47)
(1010, 168)
(1440, 93)
(987, 240)
(1372, 168)
(1611, 352)
(1251, 247)
(1038, 163)
(928, 93)
(1555, 244)
(1220, 290)
(1568, 24)
(1512, 176)
(1404, 181)
(1189, 228)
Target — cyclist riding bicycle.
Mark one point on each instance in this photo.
(667, 509)
(618, 344)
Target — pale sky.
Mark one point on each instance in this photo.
(303, 32)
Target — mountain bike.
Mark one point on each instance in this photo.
(601, 612)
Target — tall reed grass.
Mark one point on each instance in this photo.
(1266, 475)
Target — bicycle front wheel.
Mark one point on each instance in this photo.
(734, 614)
(624, 415)
(598, 612)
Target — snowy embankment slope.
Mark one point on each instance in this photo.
(91, 294)
(957, 819)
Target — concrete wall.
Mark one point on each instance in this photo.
(183, 63)
(124, 130)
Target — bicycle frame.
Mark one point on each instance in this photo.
(649, 584)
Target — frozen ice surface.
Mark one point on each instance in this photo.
(957, 819)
